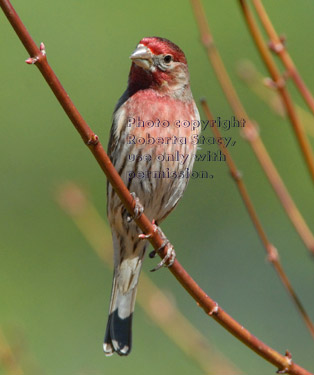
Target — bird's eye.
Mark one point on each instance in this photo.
(168, 59)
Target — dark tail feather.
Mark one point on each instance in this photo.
(118, 337)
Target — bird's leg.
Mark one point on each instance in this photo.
(138, 209)
(146, 236)
(170, 256)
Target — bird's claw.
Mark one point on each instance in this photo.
(153, 253)
(168, 260)
(138, 209)
(170, 257)
(143, 236)
(146, 236)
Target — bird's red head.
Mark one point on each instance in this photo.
(162, 46)
(159, 64)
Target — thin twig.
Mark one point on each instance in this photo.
(283, 362)
(159, 308)
(279, 83)
(278, 46)
(7, 357)
(250, 130)
(272, 253)
(254, 80)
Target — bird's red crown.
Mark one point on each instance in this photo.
(160, 46)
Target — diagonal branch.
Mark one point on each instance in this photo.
(279, 83)
(254, 80)
(8, 359)
(272, 253)
(278, 47)
(250, 130)
(283, 362)
(156, 304)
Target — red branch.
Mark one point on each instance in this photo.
(250, 131)
(38, 57)
(279, 83)
(278, 46)
(272, 253)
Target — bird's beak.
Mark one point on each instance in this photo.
(142, 57)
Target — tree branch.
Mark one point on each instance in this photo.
(156, 304)
(278, 46)
(38, 57)
(250, 131)
(8, 358)
(249, 74)
(272, 253)
(279, 83)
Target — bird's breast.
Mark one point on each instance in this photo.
(158, 123)
(154, 149)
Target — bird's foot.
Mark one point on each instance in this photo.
(170, 257)
(167, 260)
(146, 236)
(138, 209)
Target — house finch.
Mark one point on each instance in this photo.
(150, 146)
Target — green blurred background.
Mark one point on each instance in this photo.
(54, 290)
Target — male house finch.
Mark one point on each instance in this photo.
(159, 95)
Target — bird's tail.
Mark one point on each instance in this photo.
(118, 337)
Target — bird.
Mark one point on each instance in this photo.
(151, 129)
